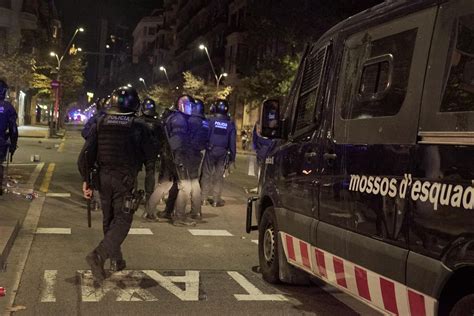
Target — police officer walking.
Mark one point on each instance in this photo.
(8, 129)
(119, 143)
(179, 137)
(100, 108)
(150, 117)
(220, 153)
(199, 133)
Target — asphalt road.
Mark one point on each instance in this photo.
(170, 270)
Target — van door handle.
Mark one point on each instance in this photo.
(311, 154)
(328, 156)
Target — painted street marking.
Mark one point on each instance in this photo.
(47, 178)
(47, 290)
(125, 285)
(61, 147)
(209, 232)
(22, 164)
(254, 294)
(59, 195)
(140, 231)
(25, 237)
(54, 231)
(190, 280)
(255, 241)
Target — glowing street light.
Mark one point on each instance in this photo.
(204, 48)
(144, 83)
(220, 78)
(129, 85)
(166, 74)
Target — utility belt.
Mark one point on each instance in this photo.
(132, 201)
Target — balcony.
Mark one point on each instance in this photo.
(28, 21)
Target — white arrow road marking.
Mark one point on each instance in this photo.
(255, 241)
(54, 231)
(209, 232)
(125, 285)
(254, 294)
(140, 231)
(190, 280)
(49, 282)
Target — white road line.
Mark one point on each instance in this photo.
(140, 231)
(255, 241)
(60, 195)
(22, 164)
(49, 282)
(209, 232)
(25, 236)
(124, 284)
(190, 280)
(53, 231)
(254, 294)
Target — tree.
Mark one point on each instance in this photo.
(198, 88)
(163, 96)
(17, 69)
(72, 79)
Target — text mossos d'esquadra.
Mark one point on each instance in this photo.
(425, 191)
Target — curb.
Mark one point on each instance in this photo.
(8, 234)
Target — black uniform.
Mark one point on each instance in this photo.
(119, 144)
(222, 147)
(8, 129)
(167, 177)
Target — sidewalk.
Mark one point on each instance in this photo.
(37, 131)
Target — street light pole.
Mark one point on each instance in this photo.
(166, 74)
(203, 47)
(144, 83)
(58, 77)
(219, 79)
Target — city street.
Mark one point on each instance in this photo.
(209, 269)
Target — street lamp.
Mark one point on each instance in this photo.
(204, 48)
(220, 77)
(58, 75)
(144, 83)
(166, 74)
(129, 85)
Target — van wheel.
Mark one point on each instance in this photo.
(268, 246)
(464, 306)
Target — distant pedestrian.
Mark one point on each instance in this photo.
(8, 129)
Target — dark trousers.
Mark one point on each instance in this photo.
(114, 187)
(212, 179)
(3, 156)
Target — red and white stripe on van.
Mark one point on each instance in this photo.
(371, 288)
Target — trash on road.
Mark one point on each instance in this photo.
(35, 158)
(2, 291)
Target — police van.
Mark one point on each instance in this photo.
(369, 185)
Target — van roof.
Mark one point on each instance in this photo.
(378, 14)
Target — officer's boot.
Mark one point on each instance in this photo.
(96, 261)
(117, 265)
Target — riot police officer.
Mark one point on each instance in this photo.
(150, 117)
(100, 108)
(8, 129)
(220, 153)
(199, 133)
(167, 178)
(119, 144)
(179, 137)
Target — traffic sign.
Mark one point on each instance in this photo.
(55, 84)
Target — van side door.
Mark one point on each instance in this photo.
(366, 156)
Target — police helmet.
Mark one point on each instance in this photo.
(149, 107)
(198, 108)
(125, 99)
(185, 104)
(3, 90)
(222, 107)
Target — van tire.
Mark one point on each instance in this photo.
(268, 246)
(465, 306)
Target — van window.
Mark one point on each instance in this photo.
(305, 115)
(459, 90)
(383, 79)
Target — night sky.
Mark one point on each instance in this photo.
(87, 13)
